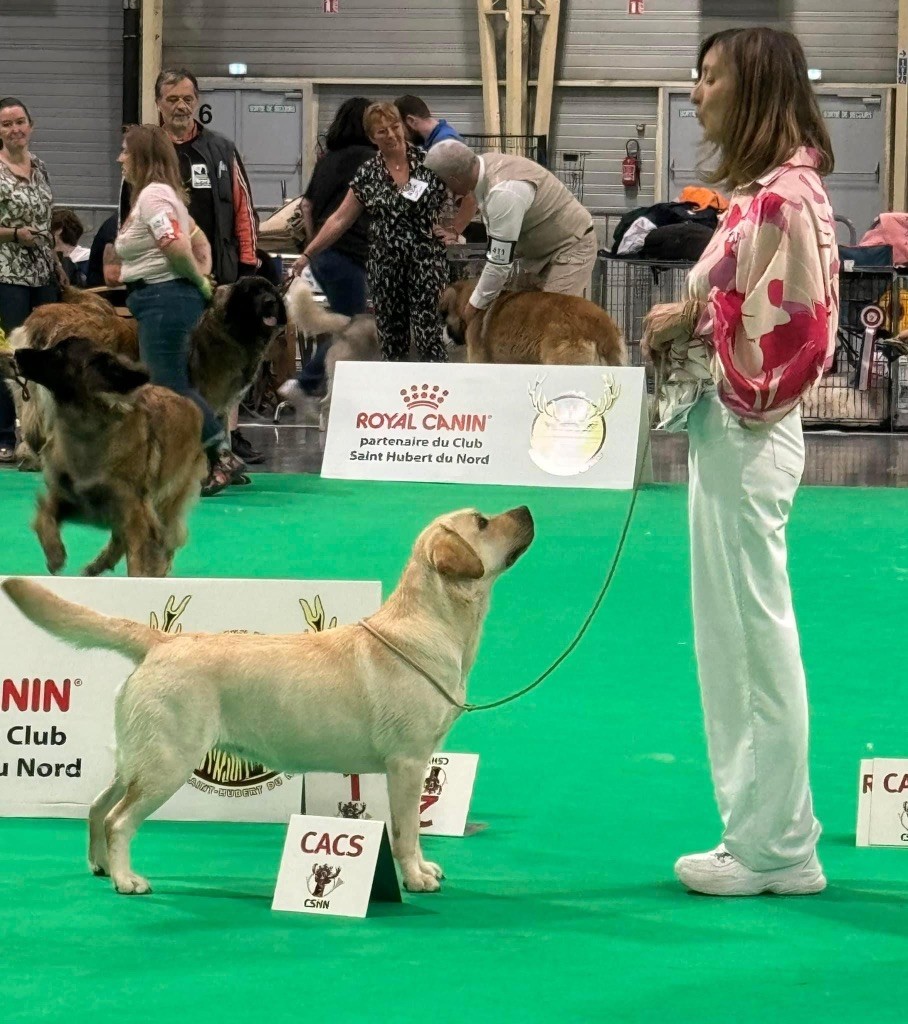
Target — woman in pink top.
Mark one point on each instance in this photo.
(167, 290)
(756, 332)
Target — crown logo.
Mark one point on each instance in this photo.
(415, 396)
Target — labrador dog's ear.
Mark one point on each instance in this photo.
(450, 555)
(119, 375)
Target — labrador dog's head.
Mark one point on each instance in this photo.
(468, 545)
(251, 309)
(76, 371)
(451, 305)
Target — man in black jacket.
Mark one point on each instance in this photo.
(220, 197)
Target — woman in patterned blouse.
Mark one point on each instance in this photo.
(28, 267)
(407, 267)
(761, 314)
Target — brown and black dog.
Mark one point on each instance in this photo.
(532, 326)
(228, 345)
(122, 453)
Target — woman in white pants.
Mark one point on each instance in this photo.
(761, 317)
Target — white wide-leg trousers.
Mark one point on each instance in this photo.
(742, 484)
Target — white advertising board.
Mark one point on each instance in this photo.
(543, 426)
(56, 703)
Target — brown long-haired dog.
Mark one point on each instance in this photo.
(122, 453)
(229, 344)
(533, 326)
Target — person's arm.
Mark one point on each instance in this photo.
(27, 237)
(306, 213)
(465, 213)
(201, 248)
(773, 331)
(112, 266)
(175, 245)
(505, 209)
(343, 218)
(244, 220)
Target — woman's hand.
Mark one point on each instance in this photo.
(447, 235)
(27, 237)
(300, 265)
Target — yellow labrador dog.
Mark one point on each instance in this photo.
(338, 701)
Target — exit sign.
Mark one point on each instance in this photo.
(331, 6)
(635, 6)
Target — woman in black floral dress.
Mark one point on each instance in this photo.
(407, 267)
(28, 267)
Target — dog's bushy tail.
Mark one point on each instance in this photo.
(80, 626)
(309, 316)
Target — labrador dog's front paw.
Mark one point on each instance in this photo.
(132, 885)
(429, 867)
(420, 882)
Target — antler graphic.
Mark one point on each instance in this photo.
(540, 404)
(609, 395)
(171, 614)
(315, 616)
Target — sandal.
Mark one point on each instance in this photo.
(232, 464)
(217, 480)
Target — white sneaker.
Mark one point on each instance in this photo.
(290, 390)
(719, 873)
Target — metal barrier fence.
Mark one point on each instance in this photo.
(867, 385)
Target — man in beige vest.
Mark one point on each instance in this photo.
(529, 215)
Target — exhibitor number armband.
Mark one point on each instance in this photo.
(500, 252)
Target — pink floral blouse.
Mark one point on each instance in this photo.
(769, 284)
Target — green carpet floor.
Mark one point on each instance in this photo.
(565, 908)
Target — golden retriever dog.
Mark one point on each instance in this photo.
(122, 454)
(342, 700)
(532, 326)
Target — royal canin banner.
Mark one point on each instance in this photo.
(543, 426)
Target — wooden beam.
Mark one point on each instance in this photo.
(310, 130)
(515, 82)
(900, 148)
(491, 108)
(542, 116)
(152, 55)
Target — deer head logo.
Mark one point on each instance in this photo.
(568, 433)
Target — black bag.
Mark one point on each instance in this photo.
(676, 243)
(867, 255)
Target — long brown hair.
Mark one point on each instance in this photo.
(153, 158)
(775, 108)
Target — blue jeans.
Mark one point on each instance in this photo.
(166, 314)
(16, 302)
(343, 281)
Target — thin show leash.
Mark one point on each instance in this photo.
(587, 622)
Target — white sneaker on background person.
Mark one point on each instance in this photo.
(719, 873)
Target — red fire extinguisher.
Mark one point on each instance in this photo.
(630, 165)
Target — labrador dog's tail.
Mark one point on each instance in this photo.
(80, 626)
